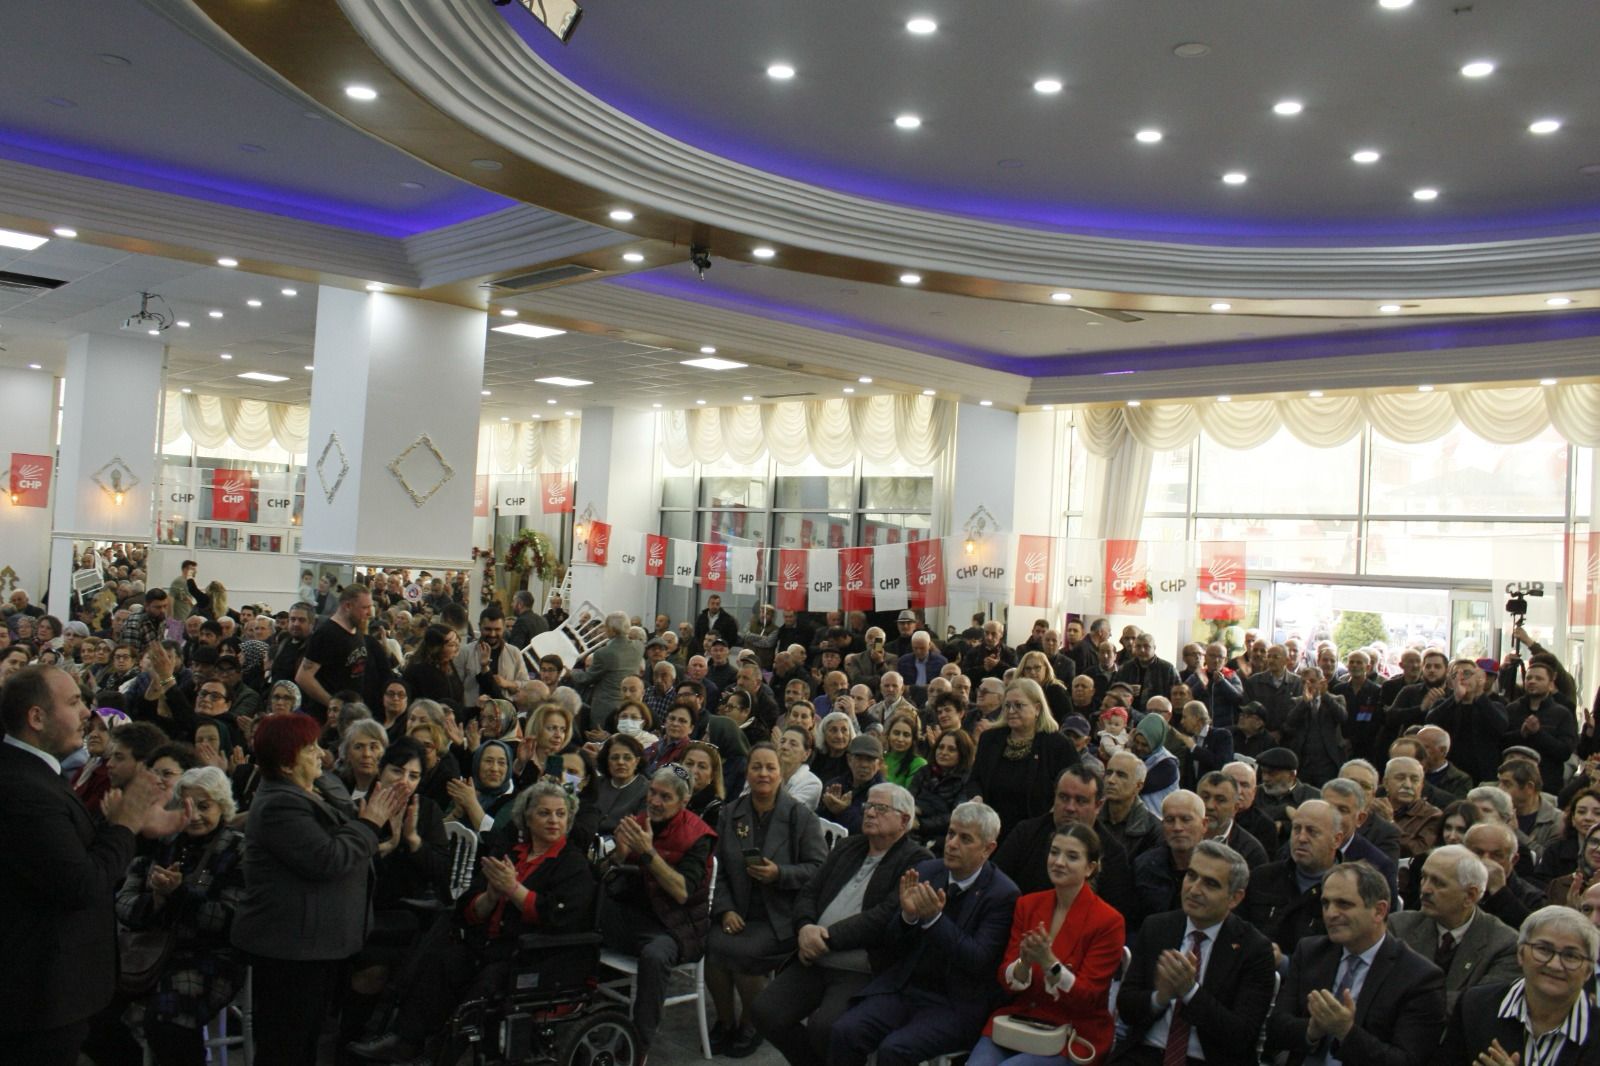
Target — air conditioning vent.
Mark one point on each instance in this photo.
(1112, 314)
(787, 395)
(538, 279)
(27, 284)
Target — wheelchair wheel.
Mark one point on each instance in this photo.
(604, 1038)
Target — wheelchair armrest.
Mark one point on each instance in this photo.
(556, 941)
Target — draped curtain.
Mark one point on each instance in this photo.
(211, 421)
(916, 429)
(543, 445)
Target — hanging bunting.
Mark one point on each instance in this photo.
(889, 570)
(515, 497)
(599, 542)
(822, 565)
(855, 566)
(714, 567)
(1035, 558)
(30, 480)
(655, 555)
(791, 594)
(683, 560)
(1084, 564)
(480, 496)
(557, 492)
(744, 576)
(925, 569)
(1221, 580)
(1127, 577)
(629, 547)
(1583, 580)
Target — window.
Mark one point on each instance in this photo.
(1463, 474)
(1282, 476)
(1169, 483)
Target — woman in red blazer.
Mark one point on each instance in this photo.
(1066, 945)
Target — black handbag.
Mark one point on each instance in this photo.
(142, 957)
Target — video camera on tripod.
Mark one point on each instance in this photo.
(1517, 593)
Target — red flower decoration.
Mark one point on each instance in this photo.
(1138, 592)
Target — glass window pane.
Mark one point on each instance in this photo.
(678, 525)
(900, 493)
(1357, 616)
(1169, 483)
(1583, 501)
(815, 490)
(894, 528)
(677, 489)
(1282, 476)
(1461, 473)
(1077, 471)
(812, 530)
(1288, 544)
(1461, 550)
(739, 490)
(1164, 530)
(743, 528)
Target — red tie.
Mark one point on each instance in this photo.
(1177, 1050)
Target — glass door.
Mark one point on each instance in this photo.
(1472, 631)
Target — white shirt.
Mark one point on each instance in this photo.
(1157, 1034)
(50, 760)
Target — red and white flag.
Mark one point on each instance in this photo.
(822, 566)
(1221, 581)
(855, 565)
(714, 567)
(230, 494)
(1127, 577)
(480, 496)
(683, 562)
(556, 493)
(1035, 557)
(655, 555)
(1583, 580)
(599, 541)
(791, 594)
(30, 480)
(925, 571)
(889, 572)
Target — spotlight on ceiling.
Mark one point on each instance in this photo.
(560, 17)
(147, 321)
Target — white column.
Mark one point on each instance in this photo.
(29, 428)
(615, 478)
(392, 371)
(983, 483)
(108, 431)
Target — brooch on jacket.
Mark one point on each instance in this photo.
(742, 830)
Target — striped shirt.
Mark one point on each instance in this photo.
(1545, 1049)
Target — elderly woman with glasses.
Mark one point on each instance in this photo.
(1015, 768)
(1546, 1015)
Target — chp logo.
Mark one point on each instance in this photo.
(855, 576)
(1124, 573)
(1222, 578)
(793, 575)
(232, 490)
(927, 570)
(1033, 565)
(30, 477)
(713, 574)
(657, 553)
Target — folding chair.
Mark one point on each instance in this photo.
(832, 832)
(463, 850)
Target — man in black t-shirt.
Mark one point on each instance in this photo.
(336, 655)
(292, 645)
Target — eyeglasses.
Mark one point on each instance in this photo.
(212, 694)
(1543, 953)
(878, 808)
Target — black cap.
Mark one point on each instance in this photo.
(1278, 759)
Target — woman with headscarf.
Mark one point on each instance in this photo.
(283, 698)
(93, 778)
(484, 802)
(1149, 742)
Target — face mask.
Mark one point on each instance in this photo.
(629, 726)
(571, 779)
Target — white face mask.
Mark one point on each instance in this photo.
(629, 726)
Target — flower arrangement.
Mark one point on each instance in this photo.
(1138, 592)
(532, 553)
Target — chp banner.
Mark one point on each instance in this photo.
(1583, 580)
(30, 480)
(744, 571)
(655, 555)
(714, 567)
(791, 594)
(822, 566)
(515, 497)
(480, 496)
(683, 560)
(556, 494)
(629, 549)
(596, 546)
(1126, 577)
(979, 568)
(230, 494)
(1221, 580)
(925, 569)
(889, 567)
(855, 565)
(275, 499)
(1035, 561)
(1084, 566)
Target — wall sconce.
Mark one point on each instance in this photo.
(116, 480)
(970, 546)
(979, 523)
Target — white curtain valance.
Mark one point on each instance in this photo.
(1501, 415)
(883, 428)
(211, 421)
(542, 445)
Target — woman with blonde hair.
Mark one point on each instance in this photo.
(1016, 767)
(1035, 666)
(548, 734)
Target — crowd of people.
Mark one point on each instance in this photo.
(882, 844)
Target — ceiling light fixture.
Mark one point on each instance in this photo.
(1544, 125)
(1558, 301)
(1478, 68)
(153, 332)
(65, 231)
(1224, 399)
(566, 383)
(486, 392)
(985, 403)
(252, 303)
(1133, 403)
(1288, 107)
(1315, 394)
(182, 323)
(763, 253)
(35, 366)
(214, 314)
(1389, 309)
(551, 402)
(508, 312)
(1221, 306)
(930, 392)
(25, 242)
(780, 72)
(656, 405)
(225, 355)
(291, 293)
(1191, 50)
(1151, 136)
(864, 381)
(186, 392)
(1425, 194)
(309, 367)
(1235, 177)
(361, 92)
(849, 388)
(1394, 5)
(713, 363)
(911, 279)
(1547, 381)
(632, 257)
(1061, 297)
(621, 215)
(922, 26)
(569, 414)
(1365, 155)
(907, 122)
(706, 349)
(1047, 86)
(527, 329)
(505, 418)
(256, 375)
(700, 403)
(747, 399)
(227, 261)
(1424, 388)
(373, 286)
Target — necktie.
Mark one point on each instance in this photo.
(1445, 952)
(1177, 1049)
(1352, 966)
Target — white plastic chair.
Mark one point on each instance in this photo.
(582, 632)
(1261, 1040)
(243, 1039)
(832, 832)
(623, 990)
(463, 851)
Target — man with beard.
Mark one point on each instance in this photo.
(336, 655)
(292, 645)
(1541, 721)
(1414, 702)
(489, 666)
(1474, 721)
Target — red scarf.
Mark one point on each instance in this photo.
(526, 865)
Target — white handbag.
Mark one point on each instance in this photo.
(1030, 1036)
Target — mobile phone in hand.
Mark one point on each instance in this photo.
(753, 857)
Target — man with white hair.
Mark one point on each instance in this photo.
(867, 667)
(1508, 897)
(1471, 946)
(1418, 821)
(603, 669)
(1150, 675)
(893, 690)
(991, 656)
(1437, 768)
(1133, 824)
(1158, 873)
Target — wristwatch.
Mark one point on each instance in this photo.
(1057, 971)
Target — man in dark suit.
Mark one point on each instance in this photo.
(1207, 748)
(1284, 899)
(843, 915)
(1470, 945)
(1276, 688)
(714, 620)
(1314, 729)
(59, 938)
(1158, 873)
(951, 932)
(1220, 794)
(1152, 675)
(1357, 995)
(1201, 978)
(922, 663)
(1080, 793)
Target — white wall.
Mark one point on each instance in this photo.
(249, 577)
(29, 426)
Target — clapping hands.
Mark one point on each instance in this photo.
(919, 901)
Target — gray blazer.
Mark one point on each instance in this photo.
(308, 877)
(794, 841)
(618, 658)
(1486, 955)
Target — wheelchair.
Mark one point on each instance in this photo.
(547, 1011)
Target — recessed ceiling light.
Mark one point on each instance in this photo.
(911, 279)
(1547, 381)
(1133, 403)
(508, 312)
(1394, 5)
(1544, 125)
(1061, 297)
(153, 332)
(930, 392)
(373, 286)
(252, 303)
(256, 375)
(1424, 388)
(921, 25)
(252, 148)
(1148, 136)
(713, 363)
(1425, 194)
(1315, 394)
(621, 215)
(780, 72)
(700, 403)
(505, 418)
(360, 92)
(527, 329)
(65, 231)
(569, 414)
(290, 292)
(1235, 177)
(1365, 155)
(985, 403)
(1047, 86)
(1558, 301)
(551, 402)
(1191, 50)
(26, 242)
(35, 366)
(1389, 309)
(486, 392)
(536, 414)
(632, 257)
(1049, 407)
(309, 366)
(655, 405)
(186, 392)
(214, 314)
(864, 380)
(1478, 68)
(1288, 107)
(1224, 399)
(182, 323)
(227, 261)
(849, 388)
(1220, 306)
(568, 383)
(747, 399)
(487, 164)
(763, 253)
(706, 349)
(225, 355)
(907, 122)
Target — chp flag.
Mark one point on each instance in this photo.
(822, 566)
(597, 543)
(655, 555)
(792, 580)
(855, 565)
(925, 570)
(630, 547)
(1084, 566)
(1221, 580)
(30, 480)
(683, 560)
(889, 568)
(230, 494)
(1035, 560)
(556, 493)
(744, 571)
(1127, 577)
(714, 567)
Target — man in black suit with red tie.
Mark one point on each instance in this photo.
(59, 938)
(1200, 982)
(1357, 996)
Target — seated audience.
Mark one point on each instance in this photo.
(842, 797)
(1509, 897)
(1158, 872)
(1581, 814)
(1284, 899)
(939, 786)
(900, 759)
(1220, 794)
(834, 733)
(1125, 815)
(676, 730)
(619, 791)
(794, 751)
(1418, 821)
(1471, 946)
(706, 781)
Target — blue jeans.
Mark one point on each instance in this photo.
(988, 1053)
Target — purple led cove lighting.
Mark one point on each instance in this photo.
(462, 202)
(586, 67)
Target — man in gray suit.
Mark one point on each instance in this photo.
(1469, 944)
(604, 668)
